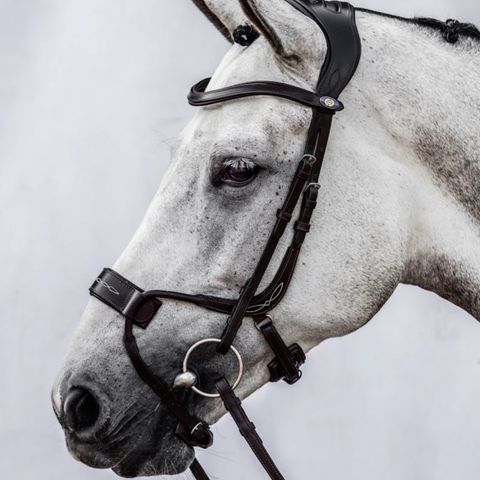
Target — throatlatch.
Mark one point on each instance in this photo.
(139, 307)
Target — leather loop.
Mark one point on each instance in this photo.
(282, 215)
(286, 366)
(125, 297)
(199, 435)
(309, 203)
(302, 227)
(277, 370)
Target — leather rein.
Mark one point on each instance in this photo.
(139, 307)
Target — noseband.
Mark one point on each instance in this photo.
(138, 307)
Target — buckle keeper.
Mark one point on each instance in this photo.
(277, 373)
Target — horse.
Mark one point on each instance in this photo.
(398, 204)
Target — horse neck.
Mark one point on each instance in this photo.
(426, 94)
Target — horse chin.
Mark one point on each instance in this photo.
(95, 459)
(150, 467)
(149, 448)
(158, 451)
(143, 463)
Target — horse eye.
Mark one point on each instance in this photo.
(238, 172)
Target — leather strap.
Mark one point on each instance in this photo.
(191, 430)
(288, 360)
(197, 471)
(247, 428)
(199, 97)
(234, 321)
(308, 171)
(125, 297)
(337, 20)
(302, 225)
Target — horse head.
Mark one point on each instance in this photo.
(209, 221)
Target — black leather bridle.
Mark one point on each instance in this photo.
(138, 307)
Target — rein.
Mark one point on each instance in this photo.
(139, 307)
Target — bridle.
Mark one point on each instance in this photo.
(138, 307)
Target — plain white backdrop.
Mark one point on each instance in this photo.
(92, 95)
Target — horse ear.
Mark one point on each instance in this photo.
(226, 15)
(293, 35)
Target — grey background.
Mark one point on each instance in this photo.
(91, 95)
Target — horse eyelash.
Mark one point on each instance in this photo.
(219, 171)
(239, 162)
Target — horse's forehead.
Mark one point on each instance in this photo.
(253, 120)
(257, 62)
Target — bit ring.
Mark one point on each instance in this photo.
(212, 340)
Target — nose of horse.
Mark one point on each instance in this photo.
(80, 410)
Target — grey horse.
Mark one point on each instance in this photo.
(399, 204)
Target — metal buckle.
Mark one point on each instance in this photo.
(308, 156)
(268, 320)
(313, 184)
(185, 368)
(194, 429)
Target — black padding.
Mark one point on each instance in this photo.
(337, 20)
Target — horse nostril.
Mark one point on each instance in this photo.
(81, 410)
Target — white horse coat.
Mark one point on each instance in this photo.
(398, 203)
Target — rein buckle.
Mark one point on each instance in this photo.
(277, 372)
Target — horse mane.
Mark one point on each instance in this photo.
(451, 29)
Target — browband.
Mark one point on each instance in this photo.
(199, 97)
